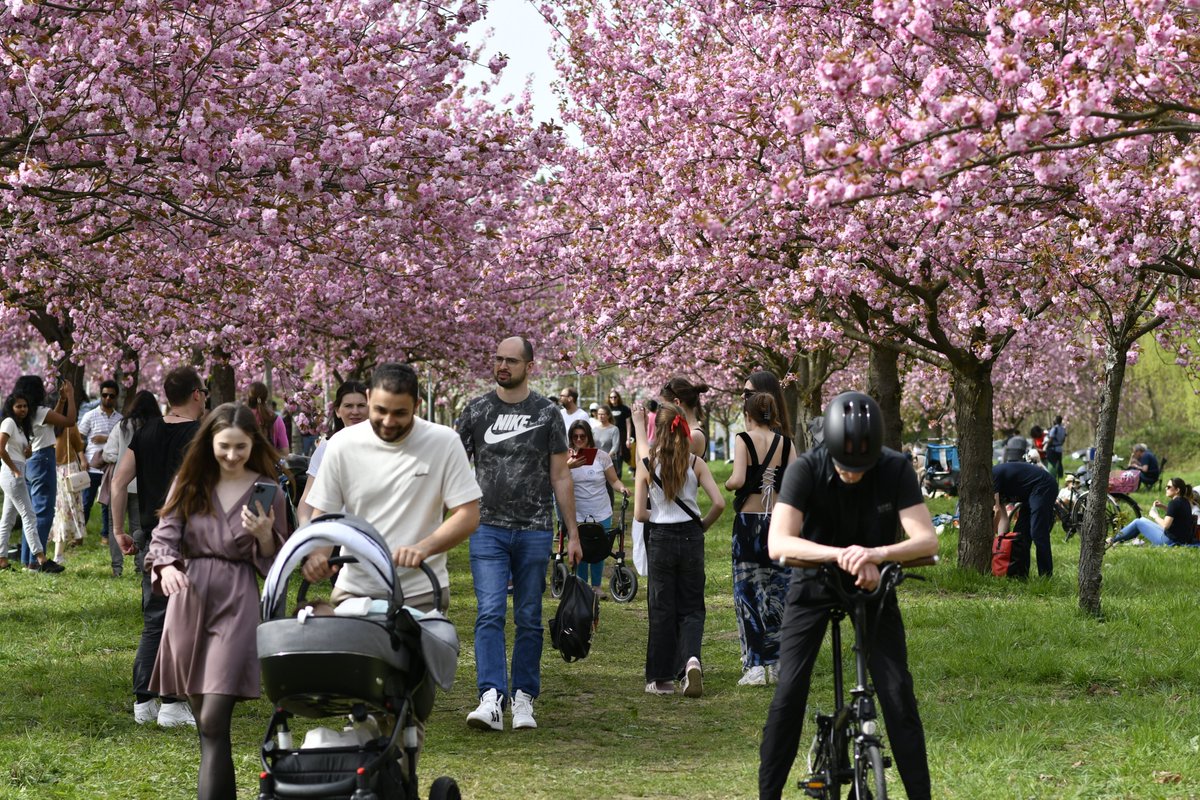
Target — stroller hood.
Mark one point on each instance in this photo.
(355, 536)
(439, 648)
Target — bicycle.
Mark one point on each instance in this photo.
(1121, 508)
(847, 749)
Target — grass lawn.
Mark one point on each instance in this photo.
(1022, 697)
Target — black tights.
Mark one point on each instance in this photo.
(214, 718)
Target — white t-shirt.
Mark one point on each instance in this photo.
(43, 434)
(17, 440)
(591, 498)
(578, 413)
(401, 488)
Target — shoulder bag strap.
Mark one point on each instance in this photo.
(653, 476)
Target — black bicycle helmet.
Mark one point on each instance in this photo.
(853, 431)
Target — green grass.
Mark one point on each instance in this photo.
(1022, 696)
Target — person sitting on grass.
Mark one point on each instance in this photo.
(1177, 526)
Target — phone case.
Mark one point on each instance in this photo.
(263, 497)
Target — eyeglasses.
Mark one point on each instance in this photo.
(202, 390)
(748, 393)
(508, 362)
(580, 436)
(109, 395)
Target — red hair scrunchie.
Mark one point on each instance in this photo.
(681, 422)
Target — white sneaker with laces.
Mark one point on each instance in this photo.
(755, 676)
(490, 715)
(173, 715)
(693, 684)
(522, 712)
(146, 712)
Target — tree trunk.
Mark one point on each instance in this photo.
(1095, 519)
(973, 407)
(221, 383)
(883, 384)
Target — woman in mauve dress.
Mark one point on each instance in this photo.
(204, 554)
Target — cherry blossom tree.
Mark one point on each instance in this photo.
(937, 164)
(260, 182)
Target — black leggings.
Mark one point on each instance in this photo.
(214, 719)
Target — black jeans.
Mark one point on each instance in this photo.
(154, 613)
(675, 553)
(804, 624)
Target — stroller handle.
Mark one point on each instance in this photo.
(438, 595)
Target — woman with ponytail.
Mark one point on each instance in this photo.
(1176, 526)
(271, 424)
(666, 486)
(680, 392)
(760, 454)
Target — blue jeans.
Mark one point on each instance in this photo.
(42, 476)
(495, 554)
(592, 572)
(1149, 530)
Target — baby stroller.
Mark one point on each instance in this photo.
(378, 668)
(941, 467)
(597, 546)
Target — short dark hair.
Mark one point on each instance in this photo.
(397, 379)
(179, 385)
(110, 384)
(527, 345)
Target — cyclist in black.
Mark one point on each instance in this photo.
(847, 501)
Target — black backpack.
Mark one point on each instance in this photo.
(575, 621)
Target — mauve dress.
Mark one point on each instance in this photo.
(208, 641)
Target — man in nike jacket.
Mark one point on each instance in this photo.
(518, 442)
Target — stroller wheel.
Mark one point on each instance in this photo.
(558, 578)
(444, 788)
(623, 584)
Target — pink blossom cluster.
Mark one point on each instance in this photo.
(262, 183)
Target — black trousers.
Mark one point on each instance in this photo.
(804, 622)
(154, 614)
(675, 597)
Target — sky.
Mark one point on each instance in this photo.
(520, 32)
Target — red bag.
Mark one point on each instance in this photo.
(1010, 551)
(1124, 482)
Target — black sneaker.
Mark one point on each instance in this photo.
(51, 566)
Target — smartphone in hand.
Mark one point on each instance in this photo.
(263, 497)
(588, 454)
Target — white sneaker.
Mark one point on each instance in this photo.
(660, 687)
(174, 715)
(522, 711)
(145, 712)
(693, 684)
(489, 716)
(755, 676)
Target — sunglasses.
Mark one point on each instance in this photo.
(748, 393)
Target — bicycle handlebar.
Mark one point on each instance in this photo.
(927, 561)
(891, 574)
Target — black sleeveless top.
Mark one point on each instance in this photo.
(756, 471)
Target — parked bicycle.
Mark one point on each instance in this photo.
(847, 749)
(1121, 508)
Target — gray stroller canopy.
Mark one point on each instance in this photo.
(355, 536)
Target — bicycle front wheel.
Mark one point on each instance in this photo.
(869, 781)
